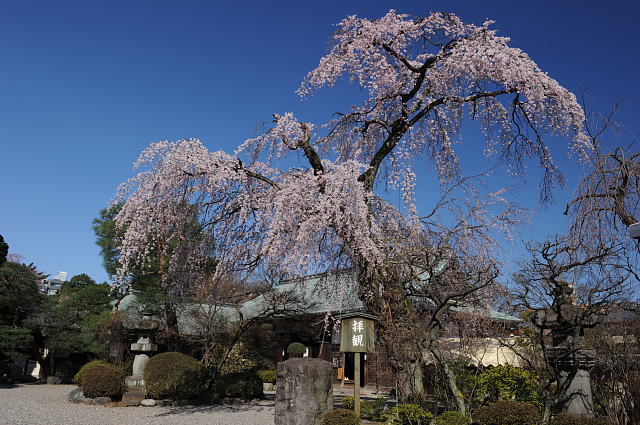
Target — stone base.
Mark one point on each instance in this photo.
(134, 396)
(577, 399)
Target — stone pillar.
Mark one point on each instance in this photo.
(303, 391)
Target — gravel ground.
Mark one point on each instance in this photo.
(48, 405)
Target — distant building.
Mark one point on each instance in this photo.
(52, 286)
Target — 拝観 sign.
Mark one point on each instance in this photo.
(357, 334)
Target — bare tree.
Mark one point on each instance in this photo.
(607, 200)
(617, 371)
(567, 288)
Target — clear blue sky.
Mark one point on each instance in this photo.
(86, 85)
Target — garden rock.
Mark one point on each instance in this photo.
(76, 395)
(54, 380)
(148, 402)
(101, 400)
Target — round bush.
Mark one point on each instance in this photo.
(268, 376)
(347, 402)
(579, 420)
(340, 417)
(77, 379)
(373, 410)
(175, 376)
(452, 418)
(103, 381)
(507, 412)
(507, 382)
(408, 414)
(296, 349)
(246, 385)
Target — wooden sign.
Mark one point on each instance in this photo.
(357, 334)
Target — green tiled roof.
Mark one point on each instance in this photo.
(313, 295)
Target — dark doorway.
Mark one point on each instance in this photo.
(349, 367)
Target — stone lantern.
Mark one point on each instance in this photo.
(144, 347)
(568, 354)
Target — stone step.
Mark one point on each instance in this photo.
(133, 398)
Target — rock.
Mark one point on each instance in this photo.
(303, 391)
(148, 402)
(87, 401)
(54, 380)
(76, 395)
(160, 403)
(133, 403)
(100, 401)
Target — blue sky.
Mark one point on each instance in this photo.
(86, 85)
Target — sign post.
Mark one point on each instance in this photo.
(357, 335)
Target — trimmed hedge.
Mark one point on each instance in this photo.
(507, 412)
(268, 376)
(175, 376)
(246, 385)
(103, 381)
(408, 414)
(340, 417)
(296, 349)
(452, 418)
(77, 379)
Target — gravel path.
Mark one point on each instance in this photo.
(48, 405)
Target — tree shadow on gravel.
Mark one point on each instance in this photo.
(267, 403)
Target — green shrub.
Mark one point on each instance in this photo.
(507, 382)
(103, 381)
(373, 410)
(246, 385)
(579, 420)
(407, 414)
(238, 360)
(12, 370)
(507, 412)
(175, 376)
(296, 349)
(77, 379)
(452, 418)
(347, 402)
(268, 376)
(340, 417)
